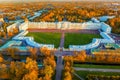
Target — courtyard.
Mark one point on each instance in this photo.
(46, 38)
(69, 38)
(79, 39)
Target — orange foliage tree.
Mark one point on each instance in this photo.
(68, 70)
(32, 70)
(48, 62)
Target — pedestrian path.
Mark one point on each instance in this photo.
(99, 70)
(59, 68)
(62, 40)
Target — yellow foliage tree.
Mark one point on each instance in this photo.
(1, 59)
(32, 68)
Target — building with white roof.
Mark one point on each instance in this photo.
(105, 28)
(95, 25)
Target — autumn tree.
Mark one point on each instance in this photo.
(12, 51)
(15, 30)
(1, 59)
(68, 70)
(115, 24)
(103, 56)
(32, 70)
(17, 70)
(45, 52)
(48, 71)
(4, 35)
(80, 56)
(3, 68)
(33, 52)
(10, 34)
(5, 27)
(48, 63)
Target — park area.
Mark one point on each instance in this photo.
(79, 39)
(46, 38)
(101, 75)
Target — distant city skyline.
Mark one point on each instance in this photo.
(53, 0)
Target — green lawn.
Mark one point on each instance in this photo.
(46, 38)
(79, 39)
(83, 74)
(96, 66)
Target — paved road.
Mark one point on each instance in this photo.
(64, 53)
(59, 59)
(59, 68)
(99, 70)
(62, 40)
(78, 76)
(115, 37)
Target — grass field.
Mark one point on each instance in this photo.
(79, 39)
(97, 66)
(83, 74)
(70, 38)
(46, 38)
